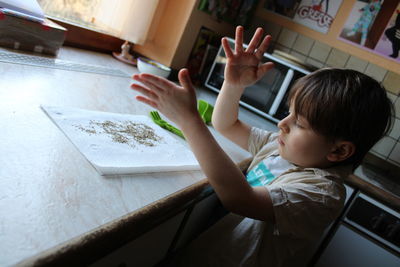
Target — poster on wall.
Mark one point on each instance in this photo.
(389, 43)
(203, 53)
(374, 25)
(315, 14)
(237, 12)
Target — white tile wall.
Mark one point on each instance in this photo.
(337, 58)
(395, 154)
(384, 146)
(303, 44)
(397, 107)
(287, 37)
(320, 51)
(395, 132)
(356, 63)
(375, 72)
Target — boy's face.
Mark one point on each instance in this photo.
(302, 146)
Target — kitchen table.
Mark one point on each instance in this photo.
(54, 207)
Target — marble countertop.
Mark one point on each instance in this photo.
(54, 206)
(52, 200)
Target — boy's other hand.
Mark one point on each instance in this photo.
(177, 103)
(244, 66)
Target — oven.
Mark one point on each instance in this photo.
(367, 235)
(268, 96)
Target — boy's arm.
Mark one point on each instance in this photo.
(227, 180)
(225, 116)
(179, 105)
(242, 69)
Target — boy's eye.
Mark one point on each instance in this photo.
(298, 124)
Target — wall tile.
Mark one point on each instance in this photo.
(378, 155)
(395, 155)
(281, 48)
(314, 63)
(375, 72)
(287, 37)
(298, 55)
(391, 96)
(397, 107)
(356, 63)
(337, 58)
(395, 132)
(320, 51)
(392, 82)
(303, 44)
(384, 146)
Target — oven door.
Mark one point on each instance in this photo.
(368, 236)
(349, 248)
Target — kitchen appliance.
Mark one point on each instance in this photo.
(268, 96)
(367, 235)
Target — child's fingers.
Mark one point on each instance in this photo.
(227, 48)
(156, 81)
(144, 91)
(264, 68)
(263, 47)
(239, 39)
(142, 79)
(146, 101)
(184, 79)
(145, 79)
(255, 40)
(150, 86)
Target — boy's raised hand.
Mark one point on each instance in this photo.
(177, 103)
(244, 66)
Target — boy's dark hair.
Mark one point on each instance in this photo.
(343, 104)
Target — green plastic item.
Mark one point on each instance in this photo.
(205, 110)
(157, 120)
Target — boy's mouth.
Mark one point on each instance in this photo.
(280, 141)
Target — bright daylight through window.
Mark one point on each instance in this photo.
(81, 12)
(127, 19)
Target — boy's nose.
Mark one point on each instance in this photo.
(283, 126)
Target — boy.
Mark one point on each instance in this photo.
(294, 185)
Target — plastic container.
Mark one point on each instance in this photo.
(146, 65)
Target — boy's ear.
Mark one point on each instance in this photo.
(342, 150)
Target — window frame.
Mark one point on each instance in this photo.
(89, 39)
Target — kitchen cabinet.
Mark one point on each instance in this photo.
(153, 246)
(368, 235)
(147, 250)
(314, 251)
(349, 249)
(199, 218)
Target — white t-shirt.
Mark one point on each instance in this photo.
(267, 170)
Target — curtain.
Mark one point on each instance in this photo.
(127, 19)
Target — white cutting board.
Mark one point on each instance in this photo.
(86, 129)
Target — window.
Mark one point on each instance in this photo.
(80, 12)
(127, 19)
